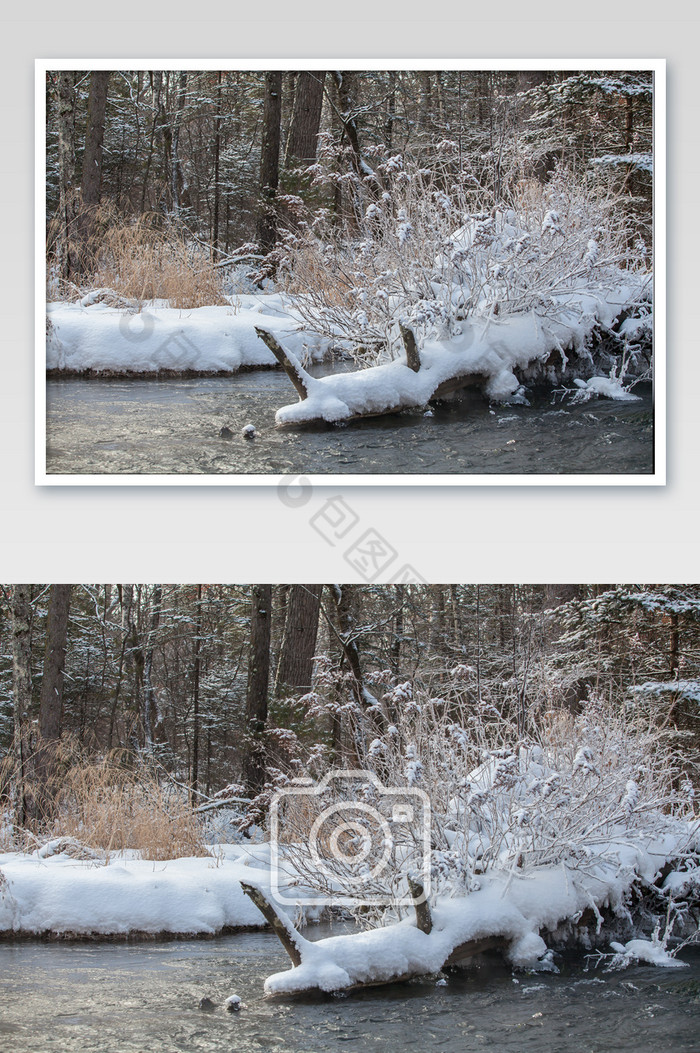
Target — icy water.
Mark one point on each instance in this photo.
(116, 998)
(172, 426)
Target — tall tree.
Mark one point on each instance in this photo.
(91, 182)
(258, 683)
(270, 160)
(150, 709)
(196, 674)
(67, 198)
(51, 698)
(299, 639)
(217, 168)
(21, 688)
(306, 118)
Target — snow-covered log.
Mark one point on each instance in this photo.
(487, 353)
(314, 968)
(292, 367)
(509, 912)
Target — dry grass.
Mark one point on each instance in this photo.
(140, 261)
(108, 805)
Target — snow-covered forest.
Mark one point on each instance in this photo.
(426, 231)
(515, 766)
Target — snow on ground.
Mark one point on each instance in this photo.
(91, 335)
(59, 894)
(490, 348)
(42, 893)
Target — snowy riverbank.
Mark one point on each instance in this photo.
(523, 911)
(50, 893)
(90, 336)
(61, 896)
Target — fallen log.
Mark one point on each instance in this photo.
(298, 376)
(283, 929)
(301, 950)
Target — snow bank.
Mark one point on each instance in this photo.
(64, 895)
(516, 907)
(94, 336)
(490, 349)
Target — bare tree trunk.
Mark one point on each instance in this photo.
(400, 591)
(258, 682)
(299, 640)
(269, 160)
(390, 113)
(51, 700)
(457, 624)
(67, 198)
(437, 623)
(21, 688)
(217, 161)
(150, 709)
(306, 118)
(156, 79)
(176, 177)
(196, 663)
(345, 599)
(345, 83)
(91, 183)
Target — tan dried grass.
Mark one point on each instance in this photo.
(106, 805)
(110, 807)
(139, 260)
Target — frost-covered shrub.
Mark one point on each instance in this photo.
(431, 247)
(569, 791)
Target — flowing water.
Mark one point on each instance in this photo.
(172, 426)
(119, 998)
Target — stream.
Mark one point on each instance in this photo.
(171, 426)
(123, 997)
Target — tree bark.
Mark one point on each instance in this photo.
(196, 669)
(176, 176)
(21, 689)
(345, 83)
(51, 700)
(269, 160)
(306, 118)
(258, 682)
(150, 709)
(67, 199)
(299, 639)
(217, 162)
(91, 182)
(345, 599)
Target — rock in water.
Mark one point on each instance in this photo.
(248, 431)
(225, 433)
(207, 1005)
(233, 1004)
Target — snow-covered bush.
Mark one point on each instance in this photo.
(577, 791)
(432, 248)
